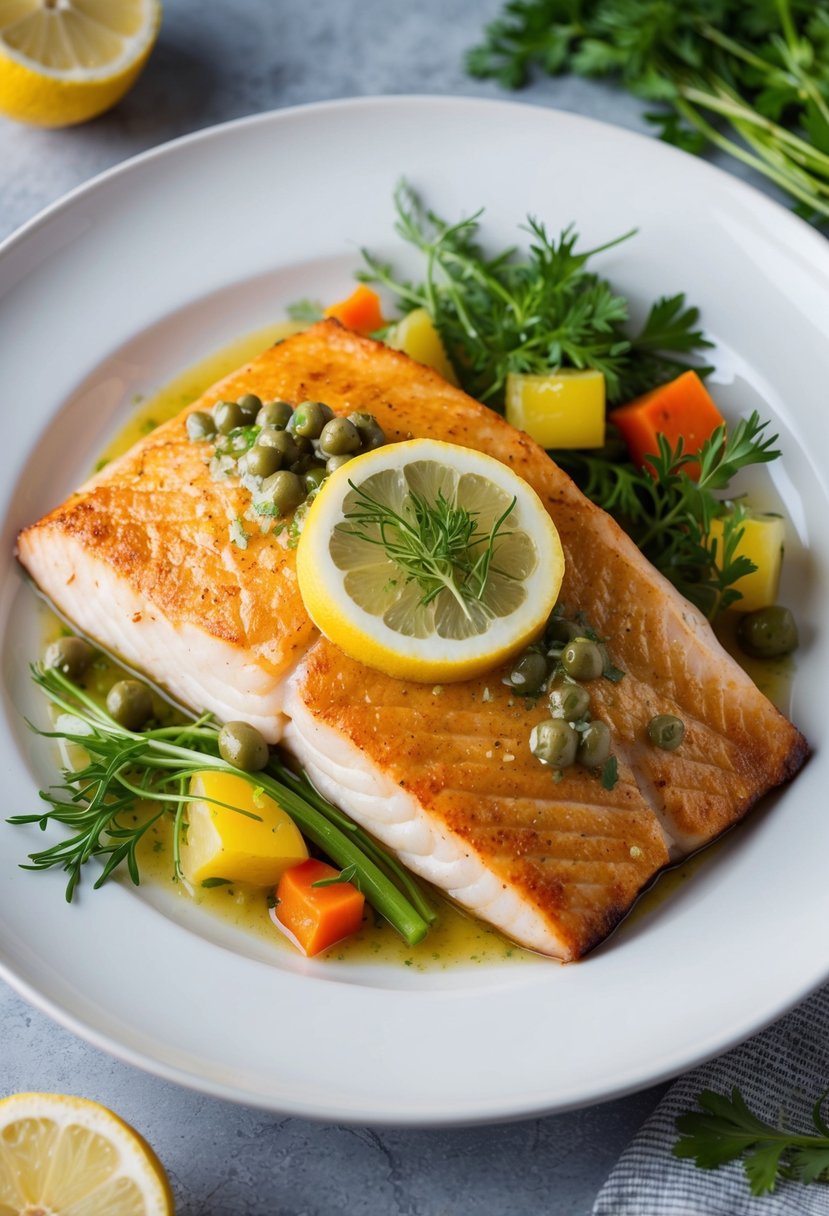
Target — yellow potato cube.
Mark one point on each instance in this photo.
(221, 843)
(417, 337)
(563, 410)
(761, 542)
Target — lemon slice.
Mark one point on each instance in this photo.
(64, 61)
(62, 1154)
(369, 588)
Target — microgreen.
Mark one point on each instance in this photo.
(131, 781)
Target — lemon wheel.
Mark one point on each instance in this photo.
(65, 61)
(428, 561)
(65, 1154)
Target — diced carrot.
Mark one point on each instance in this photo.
(682, 408)
(317, 917)
(361, 311)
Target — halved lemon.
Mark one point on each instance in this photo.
(65, 1154)
(429, 561)
(64, 61)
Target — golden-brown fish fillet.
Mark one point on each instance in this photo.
(143, 558)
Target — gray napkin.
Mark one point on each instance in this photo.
(781, 1073)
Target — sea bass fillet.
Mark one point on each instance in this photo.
(144, 559)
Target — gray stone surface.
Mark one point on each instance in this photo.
(214, 62)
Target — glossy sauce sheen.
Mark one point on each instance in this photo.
(556, 866)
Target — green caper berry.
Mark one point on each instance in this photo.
(227, 415)
(594, 744)
(70, 656)
(309, 419)
(529, 673)
(371, 433)
(666, 731)
(263, 461)
(200, 426)
(582, 659)
(560, 631)
(302, 464)
(241, 745)
(768, 633)
(281, 442)
(286, 491)
(336, 462)
(130, 704)
(338, 437)
(554, 742)
(276, 414)
(569, 701)
(314, 477)
(250, 405)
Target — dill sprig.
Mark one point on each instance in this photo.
(532, 312)
(437, 545)
(668, 513)
(131, 780)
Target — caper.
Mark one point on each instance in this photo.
(250, 405)
(70, 656)
(262, 461)
(314, 477)
(560, 631)
(276, 414)
(227, 415)
(582, 659)
(768, 633)
(309, 419)
(241, 745)
(336, 462)
(666, 731)
(529, 673)
(338, 437)
(554, 742)
(594, 744)
(285, 490)
(200, 426)
(304, 446)
(130, 703)
(370, 431)
(569, 701)
(281, 442)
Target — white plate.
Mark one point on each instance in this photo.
(159, 262)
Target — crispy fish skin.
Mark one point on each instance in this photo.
(152, 532)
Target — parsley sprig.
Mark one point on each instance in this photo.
(133, 779)
(749, 79)
(724, 1130)
(533, 311)
(668, 513)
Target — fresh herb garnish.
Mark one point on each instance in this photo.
(668, 513)
(132, 780)
(306, 312)
(725, 1130)
(437, 545)
(349, 874)
(534, 312)
(749, 79)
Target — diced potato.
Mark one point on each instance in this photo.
(221, 843)
(761, 542)
(563, 410)
(417, 337)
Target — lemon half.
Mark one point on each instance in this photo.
(64, 1154)
(64, 61)
(445, 625)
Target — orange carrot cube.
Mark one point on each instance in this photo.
(317, 917)
(681, 409)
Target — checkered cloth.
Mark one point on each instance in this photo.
(781, 1073)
